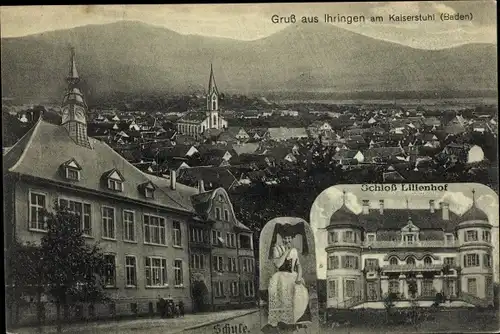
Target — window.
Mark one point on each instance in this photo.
(472, 286)
(427, 260)
(409, 238)
(130, 271)
(197, 261)
(471, 260)
(235, 289)
(370, 237)
(197, 235)
(110, 270)
(487, 260)
(80, 209)
(178, 273)
(218, 263)
(231, 240)
(350, 288)
(333, 262)
(371, 264)
(488, 286)
(177, 233)
(350, 262)
(226, 215)
(333, 237)
(248, 265)
(410, 261)
(129, 225)
(393, 261)
(108, 223)
(248, 289)
(116, 185)
(217, 238)
(332, 289)
(148, 192)
(450, 261)
(245, 241)
(37, 204)
(471, 235)
(156, 272)
(232, 264)
(349, 236)
(219, 289)
(72, 174)
(154, 230)
(449, 239)
(487, 236)
(427, 288)
(393, 286)
(217, 213)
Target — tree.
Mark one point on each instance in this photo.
(23, 275)
(71, 267)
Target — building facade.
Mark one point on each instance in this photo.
(142, 222)
(195, 123)
(223, 264)
(410, 253)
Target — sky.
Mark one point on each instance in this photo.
(253, 21)
(459, 197)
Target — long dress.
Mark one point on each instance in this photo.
(288, 301)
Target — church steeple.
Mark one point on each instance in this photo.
(212, 93)
(74, 109)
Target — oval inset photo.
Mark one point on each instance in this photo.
(405, 245)
(288, 292)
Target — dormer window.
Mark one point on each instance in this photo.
(114, 180)
(147, 189)
(409, 233)
(71, 170)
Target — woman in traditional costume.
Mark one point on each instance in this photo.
(288, 295)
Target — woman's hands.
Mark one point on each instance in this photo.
(300, 280)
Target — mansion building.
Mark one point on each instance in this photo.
(147, 226)
(410, 253)
(196, 123)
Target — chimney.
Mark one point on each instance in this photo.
(173, 179)
(446, 211)
(366, 206)
(431, 205)
(381, 206)
(201, 186)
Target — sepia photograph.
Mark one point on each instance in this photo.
(250, 168)
(388, 260)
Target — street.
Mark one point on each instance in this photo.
(150, 326)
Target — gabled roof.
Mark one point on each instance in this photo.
(217, 176)
(382, 152)
(46, 146)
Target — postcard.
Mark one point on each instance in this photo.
(251, 168)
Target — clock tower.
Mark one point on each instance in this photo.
(74, 109)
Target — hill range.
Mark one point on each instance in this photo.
(134, 57)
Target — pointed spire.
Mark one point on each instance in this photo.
(473, 197)
(343, 197)
(73, 77)
(211, 82)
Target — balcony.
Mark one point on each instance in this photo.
(419, 244)
(412, 267)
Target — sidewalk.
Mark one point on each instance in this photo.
(149, 325)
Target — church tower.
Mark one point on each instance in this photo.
(213, 101)
(74, 109)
